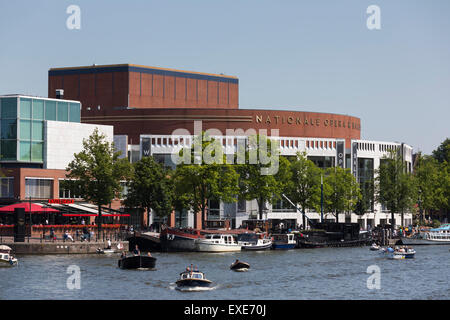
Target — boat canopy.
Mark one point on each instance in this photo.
(444, 227)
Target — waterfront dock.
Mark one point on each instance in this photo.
(60, 247)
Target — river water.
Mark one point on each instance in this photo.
(327, 273)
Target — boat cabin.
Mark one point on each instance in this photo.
(220, 238)
(192, 275)
(284, 238)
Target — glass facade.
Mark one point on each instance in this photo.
(22, 125)
(366, 181)
(322, 162)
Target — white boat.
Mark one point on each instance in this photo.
(6, 259)
(374, 247)
(251, 241)
(217, 243)
(439, 235)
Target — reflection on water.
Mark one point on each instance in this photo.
(330, 273)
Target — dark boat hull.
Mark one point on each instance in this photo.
(240, 266)
(178, 241)
(137, 262)
(193, 283)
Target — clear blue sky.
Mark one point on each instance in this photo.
(311, 55)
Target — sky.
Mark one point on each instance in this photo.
(302, 55)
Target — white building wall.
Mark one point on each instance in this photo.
(64, 139)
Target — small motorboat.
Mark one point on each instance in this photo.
(140, 261)
(6, 258)
(240, 266)
(398, 253)
(105, 251)
(375, 247)
(192, 280)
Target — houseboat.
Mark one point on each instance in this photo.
(284, 241)
(218, 243)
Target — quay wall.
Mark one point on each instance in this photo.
(61, 247)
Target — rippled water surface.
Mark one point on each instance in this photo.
(331, 273)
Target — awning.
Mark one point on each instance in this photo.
(35, 208)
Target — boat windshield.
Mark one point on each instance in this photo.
(247, 237)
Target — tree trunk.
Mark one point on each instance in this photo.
(337, 217)
(203, 217)
(260, 208)
(148, 217)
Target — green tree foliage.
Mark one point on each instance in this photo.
(260, 179)
(394, 186)
(341, 191)
(98, 171)
(207, 176)
(151, 187)
(304, 186)
(426, 174)
(442, 153)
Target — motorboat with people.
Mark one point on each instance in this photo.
(375, 247)
(136, 260)
(109, 249)
(284, 241)
(192, 280)
(218, 243)
(253, 241)
(439, 236)
(240, 266)
(398, 253)
(6, 258)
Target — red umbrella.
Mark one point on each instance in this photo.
(35, 208)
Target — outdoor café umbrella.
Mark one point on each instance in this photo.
(35, 208)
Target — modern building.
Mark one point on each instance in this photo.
(157, 111)
(39, 137)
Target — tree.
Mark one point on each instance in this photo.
(426, 174)
(341, 191)
(394, 186)
(98, 172)
(264, 175)
(206, 176)
(304, 185)
(442, 153)
(150, 187)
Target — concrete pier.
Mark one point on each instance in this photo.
(61, 247)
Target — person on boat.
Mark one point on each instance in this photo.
(136, 251)
(195, 269)
(123, 255)
(149, 254)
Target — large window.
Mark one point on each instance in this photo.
(38, 188)
(213, 209)
(366, 181)
(282, 206)
(69, 189)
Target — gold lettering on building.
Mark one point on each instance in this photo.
(258, 119)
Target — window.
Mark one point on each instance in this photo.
(25, 151)
(69, 189)
(9, 129)
(38, 109)
(25, 129)
(50, 110)
(74, 112)
(63, 112)
(38, 188)
(9, 108)
(9, 149)
(25, 108)
(38, 131)
(37, 151)
(6, 187)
